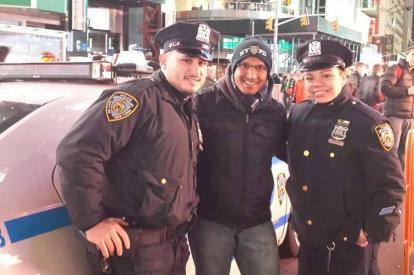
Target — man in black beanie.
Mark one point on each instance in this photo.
(242, 127)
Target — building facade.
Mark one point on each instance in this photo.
(325, 19)
(70, 28)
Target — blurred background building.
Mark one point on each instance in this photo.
(375, 30)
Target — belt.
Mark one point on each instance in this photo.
(147, 236)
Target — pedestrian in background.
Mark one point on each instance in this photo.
(398, 88)
(369, 90)
(346, 184)
(127, 167)
(243, 127)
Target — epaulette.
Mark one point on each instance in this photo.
(366, 110)
(301, 105)
(138, 85)
(134, 85)
(298, 107)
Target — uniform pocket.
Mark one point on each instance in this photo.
(157, 208)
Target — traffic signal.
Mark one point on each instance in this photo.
(304, 20)
(269, 24)
(335, 25)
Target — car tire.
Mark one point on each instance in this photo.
(290, 246)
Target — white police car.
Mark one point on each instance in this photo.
(36, 236)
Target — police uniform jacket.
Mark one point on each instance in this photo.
(344, 175)
(132, 154)
(398, 103)
(235, 181)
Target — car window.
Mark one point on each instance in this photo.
(11, 112)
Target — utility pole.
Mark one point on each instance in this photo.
(275, 45)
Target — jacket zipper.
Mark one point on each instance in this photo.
(244, 164)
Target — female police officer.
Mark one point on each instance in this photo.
(128, 165)
(346, 182)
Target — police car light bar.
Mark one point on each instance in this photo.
(94, 70)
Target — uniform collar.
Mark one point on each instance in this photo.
(337, 103)
(169, 93)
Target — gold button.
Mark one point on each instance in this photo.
(309, 222)
(345, 238)
(163, 181)
(305, 188)
(306, 153)
(332, 155)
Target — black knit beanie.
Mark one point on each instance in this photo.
(253, 46)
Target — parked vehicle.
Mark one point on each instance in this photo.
(35, 228)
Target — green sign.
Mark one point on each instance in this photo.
(284, 45)
(21, 3)
(230, 43)
(52, 5)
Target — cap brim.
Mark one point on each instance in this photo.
(202, 54)
(318, 66)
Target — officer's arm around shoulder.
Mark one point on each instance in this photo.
(205, 97)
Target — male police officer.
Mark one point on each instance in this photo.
(243, 127)
(128, 165)
(346, 182)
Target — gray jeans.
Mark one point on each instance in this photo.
(214, 245)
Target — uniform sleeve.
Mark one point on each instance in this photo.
(388, 84)
(384, 180)
(281, 148)
(102, 131)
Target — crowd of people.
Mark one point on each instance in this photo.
(155, 159)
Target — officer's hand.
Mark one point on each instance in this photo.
(362, 239)
(108, 235)
(411, 90)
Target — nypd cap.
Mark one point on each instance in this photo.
(196, 39)
(253, 46)
(320, 54)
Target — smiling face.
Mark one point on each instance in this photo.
(325, 84)
(185, 73)
(250, 75)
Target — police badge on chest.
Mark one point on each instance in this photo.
(338, 134)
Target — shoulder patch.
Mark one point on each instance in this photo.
(385, 136)
(120, 106)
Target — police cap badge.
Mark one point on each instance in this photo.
(196, 39)
(320, 54)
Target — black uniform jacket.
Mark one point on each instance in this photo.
(344, 176)
(234, 176)
(141, 166)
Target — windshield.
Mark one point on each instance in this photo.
(11, 112)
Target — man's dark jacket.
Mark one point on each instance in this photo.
(395, 88)
(344, 174)
(235, 181)
(141, 167)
